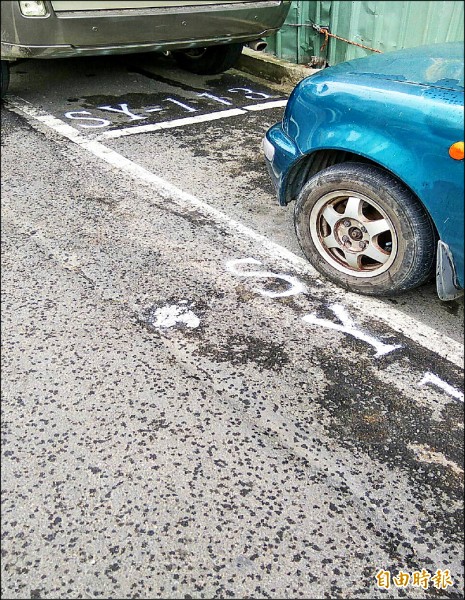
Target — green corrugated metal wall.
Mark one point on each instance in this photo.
(384, 26)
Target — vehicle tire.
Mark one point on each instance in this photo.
(364, 230)
(5, 77)
(208, 61)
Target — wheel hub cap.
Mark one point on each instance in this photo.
(352, 235)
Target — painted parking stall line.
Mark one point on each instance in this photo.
(109, 115)
(418, 332)
(221, 114)
(266, 105)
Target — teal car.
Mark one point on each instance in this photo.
(371, 151)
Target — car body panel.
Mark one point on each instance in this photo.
(399, 116)
(163, 26)
(438, 65)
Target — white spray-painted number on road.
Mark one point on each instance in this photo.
(123, 111)
(171, 315)
(296, 286)
(102, 122)
(215, 98)
(250, 94)
(446, 387)
(348, 326)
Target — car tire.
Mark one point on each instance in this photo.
(5, 77)
(363, 229)
(208, 61)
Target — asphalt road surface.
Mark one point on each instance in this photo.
(189, 411)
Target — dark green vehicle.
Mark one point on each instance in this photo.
(204, 36)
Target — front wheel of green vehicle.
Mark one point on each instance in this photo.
(5, 77)
(363, 229)
(208, 61)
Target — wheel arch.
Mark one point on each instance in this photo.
(312, 163)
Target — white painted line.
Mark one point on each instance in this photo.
(415, 330)
(297, 287)
(347, 325)
(164, 187)
(266, 105)
(220, 114)
(446, 387)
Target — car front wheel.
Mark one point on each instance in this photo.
(208, 61)
(363, 229)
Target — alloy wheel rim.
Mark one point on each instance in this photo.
(353, 233)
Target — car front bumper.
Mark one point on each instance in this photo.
(280, 154)
(100, 32)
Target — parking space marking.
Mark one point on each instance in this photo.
(347, 325)
(88, 120)
(297, 287)
(220, 114)
(435, 380)
(420, 333)
(266, 105)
